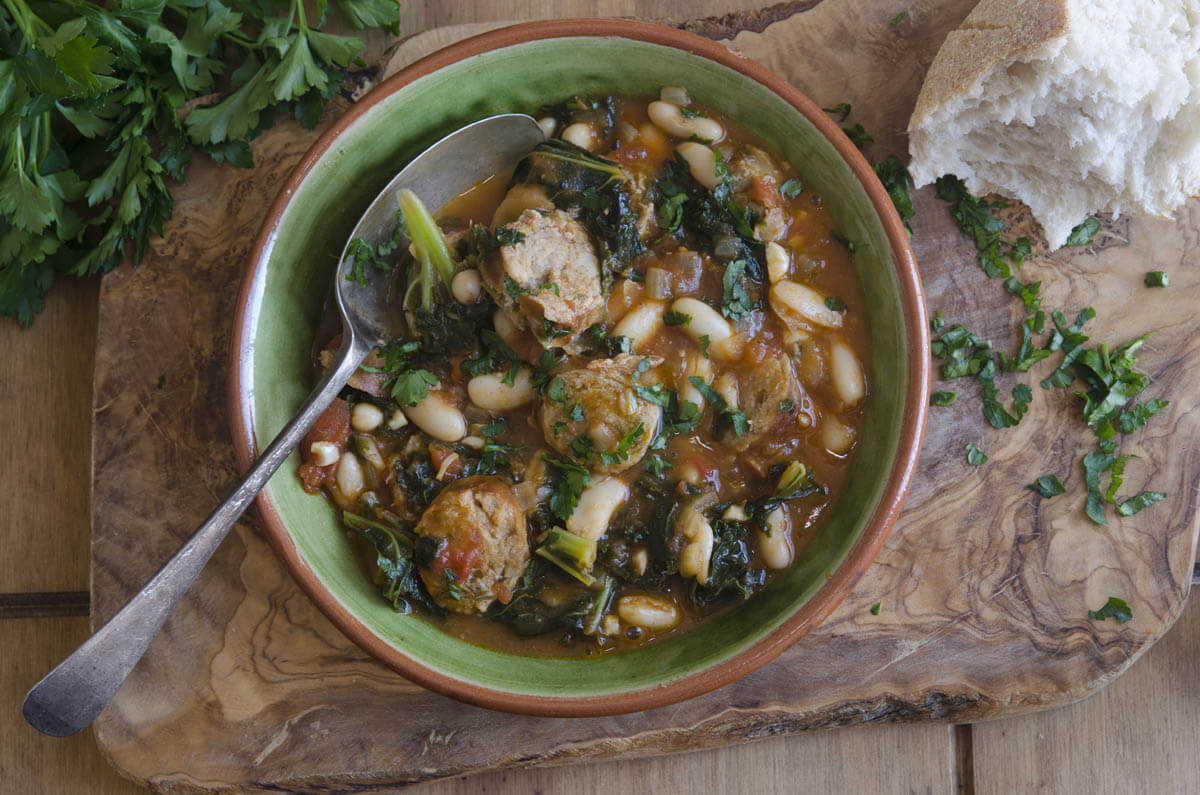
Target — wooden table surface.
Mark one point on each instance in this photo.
(1141, 733)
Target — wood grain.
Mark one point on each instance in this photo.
(30, 763)
(1139, 734)
(984, 589)
(45, 378)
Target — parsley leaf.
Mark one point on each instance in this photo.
(791, 189)
(1134, 504)
(1113, 608)
(571, 481)
(1082, 235)
(1156, 279)
(835, 304)
(975, 456)
(674, 318)
(1047, 486)
(735, 302)
(841, 110)
(942, 398)
(736, 417)
(412, 387)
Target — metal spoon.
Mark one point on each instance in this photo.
(70, 697)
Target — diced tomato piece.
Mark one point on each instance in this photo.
(332, 426)
(458, 555)
(503, 592)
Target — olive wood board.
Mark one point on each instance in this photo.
(983, 587)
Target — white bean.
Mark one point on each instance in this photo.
(641, 322)
(676, 95)
(519, 199)
(847, 373)
(775, 545)
(799, 303)
(671, 119)
(365, 417)
(778, 262)
(647, 612)
(735, 513)
(696, 555)
(836, 437)
(596, 507)
(639, 560)
(466, 287)
(610, 625)
(503, 324)
(727, 388)
(324, 453)
(438, 418)
(548, 124)
(701, 368)
(702, 162)
(580, 134)
(349, 476)
(705, 321)
(490, 393)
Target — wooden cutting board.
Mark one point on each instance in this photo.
(984, 589)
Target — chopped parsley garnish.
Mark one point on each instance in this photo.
(453, 589)
(857, 135)
(677, 319)
(896, 20)
(583, 447)
(1156, 279)
(656, 465)
(559, 427)
(937, 323)
(571, 481)
(621, 453)
(942, 398)
(841, 110)
(1113, 608)
(787, 406)
(513, 289)
(704, 342)
(412, 387)
(897, 182)
(735, 302)
(557, 391)
(1134, 504)
(973, 215)
(875, 608)
(835, 304)
(495, 356)
(1047, 486)
(541, 371)
(494, 428)
(975, 456)
(736, 417)
(657, 394)
(576, 413)
(791, 189)
(507, 236)
(1082, 235)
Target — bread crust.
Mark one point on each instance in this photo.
(994, 34)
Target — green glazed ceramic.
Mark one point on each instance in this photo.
(520, 69)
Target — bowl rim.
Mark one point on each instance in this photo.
(839, 582)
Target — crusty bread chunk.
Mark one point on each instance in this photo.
(1071, 106)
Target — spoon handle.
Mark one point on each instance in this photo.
(70, 697)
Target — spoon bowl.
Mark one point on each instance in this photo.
(70, 697)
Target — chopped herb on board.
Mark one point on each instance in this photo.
(1047, 486)
(875, 608)
(942, 398)
(975, 456)
(1109, 374)
(1113, 608)
(841, 110)
(896, 20)
(1156, 279)
(1082, 235)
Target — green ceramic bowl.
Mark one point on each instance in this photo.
(520, 69)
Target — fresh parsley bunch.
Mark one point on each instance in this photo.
(101, 104)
